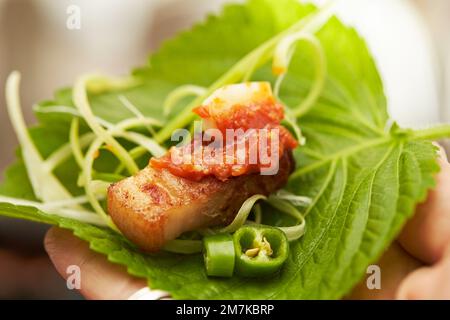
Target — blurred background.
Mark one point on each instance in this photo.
(409, 39)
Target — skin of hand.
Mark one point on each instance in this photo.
(416, 266)
(100, 279)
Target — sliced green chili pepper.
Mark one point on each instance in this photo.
(219, 255)
(260, 250)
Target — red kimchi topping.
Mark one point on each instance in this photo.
(242, 139)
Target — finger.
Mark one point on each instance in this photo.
(432, 283)
(395, 265)
(427, 234)
(100, 279)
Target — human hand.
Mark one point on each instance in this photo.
(100, 279)
(416, 266)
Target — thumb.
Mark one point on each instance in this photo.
(428, 283)
(100, 279)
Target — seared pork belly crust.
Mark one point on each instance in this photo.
(155, 206)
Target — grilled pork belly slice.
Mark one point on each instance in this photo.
(155, 206)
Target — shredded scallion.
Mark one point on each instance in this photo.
(180, 93)
(184, 246)
(242, 214)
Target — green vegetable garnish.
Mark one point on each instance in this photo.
(260, 250)
(219, 255)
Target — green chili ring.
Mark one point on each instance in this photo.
(219, 255)
(260, 250)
